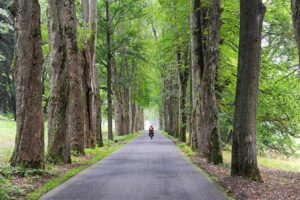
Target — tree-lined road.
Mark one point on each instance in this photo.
(143, 170)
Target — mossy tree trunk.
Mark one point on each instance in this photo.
(29, 147)
(183, 73)
(66, 109)
(205, 54)
(90, 17)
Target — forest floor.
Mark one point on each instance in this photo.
(281, 177)
(17, 183)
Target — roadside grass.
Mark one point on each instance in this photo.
(278, 162)
(275, 162)
(7, 132)
(9, 190)
(7, 138)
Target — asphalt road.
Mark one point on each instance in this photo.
(143, 170)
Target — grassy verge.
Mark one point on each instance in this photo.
(276, 162)
(16, 183)
(57, 181)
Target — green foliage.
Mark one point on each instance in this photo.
(3, 188)
(132, 44)
(4, 27)
(279, 92)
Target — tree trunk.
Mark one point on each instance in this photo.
(244, 160)
(90, 16)
(205, 116)
(66, 109)
(197, 65)
(296, 23)
(99, 126)
(210, 143)
(133, 117)
(29, 146)
(109, 70)
(183, 72)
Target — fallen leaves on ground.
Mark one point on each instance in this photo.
(278, 185)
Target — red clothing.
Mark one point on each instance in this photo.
(151, 129)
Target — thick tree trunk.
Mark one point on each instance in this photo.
(133, 117)
(296, 22)
(66, 109)
(90, 15)
(205, 116)
(29, 147)
(244, 160)
(183, 72)
(210, 143)
(140, 119)
(122, 114)
(197, 66)
(109, 70)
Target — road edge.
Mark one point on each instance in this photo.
(209, 177)
(63, 178)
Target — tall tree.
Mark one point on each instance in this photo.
(183, 73)
(109, 66)
(29, 148)
(90, 17)
(197, 65)
(244, 160)
(210, 143)
(66, 109)
(205, 57)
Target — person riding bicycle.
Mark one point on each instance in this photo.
(151, 132)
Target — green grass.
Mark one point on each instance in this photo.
(7, 140)
(57, 181)
(278, 162)
(275, 162)
(7, 132)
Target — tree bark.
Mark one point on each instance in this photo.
(183, 72)
(244, 160)
(205, 53)
(66, 109)
(109, 69)
(197, 66)
(99, 136)
(210, 143)
(29, 146)
(90, 16)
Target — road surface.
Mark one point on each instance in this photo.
(142, 170)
